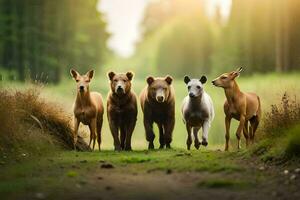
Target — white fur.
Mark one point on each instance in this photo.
(197, 107)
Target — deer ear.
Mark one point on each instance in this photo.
(169, 79)
(150, 80)
(203, 79)
(111, 75)
(129, 75)
(186, 79)
(239, 70)
(90, 74)
(74, 73)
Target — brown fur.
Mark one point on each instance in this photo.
(121, 110)
(88, 107)
(244, 107)
(158, 105)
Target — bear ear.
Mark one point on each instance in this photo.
(150, 80)
(90, 74)
(74, 73)
(203, 79)
(111, 75)
(169, 79)
(130, 75)
(186, 79)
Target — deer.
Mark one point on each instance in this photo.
(242, 106)
(88, 107)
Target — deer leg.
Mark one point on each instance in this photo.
(92, 127)
(227, 134)
(76, 127)
(245, 132)
(99, 128)
(239, 130)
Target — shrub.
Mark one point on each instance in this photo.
(282, 116)
(280, 140)
(30, 123)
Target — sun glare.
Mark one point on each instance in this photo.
(223, 5)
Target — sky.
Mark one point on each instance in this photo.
(124, 18)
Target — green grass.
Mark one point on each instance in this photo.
(62, 169)
(269, 87)
(283, 147)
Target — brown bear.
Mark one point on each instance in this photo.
(158, 105)
(121, 109)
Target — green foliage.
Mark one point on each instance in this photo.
(280, 135)
(46, 38)
(180, 38)
(293, 145)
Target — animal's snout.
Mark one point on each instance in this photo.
(191, 94)
(160, 98)
(120, 89)
(81, 88)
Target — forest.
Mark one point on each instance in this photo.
(261, 35)
(41, 40)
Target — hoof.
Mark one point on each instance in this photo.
(162, 146)
(197, 145)
(127, 149)
(204, 143)
(118, 149)
(151, 145)
(168, 146)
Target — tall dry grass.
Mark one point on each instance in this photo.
(284, 115)
(280, 133)
(30, 123)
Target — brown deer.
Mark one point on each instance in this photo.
(88, 107)
(244, 107)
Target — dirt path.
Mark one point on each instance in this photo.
(173, 174)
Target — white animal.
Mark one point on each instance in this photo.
(197, 111)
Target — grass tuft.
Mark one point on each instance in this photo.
(280, 140)
(30, 124)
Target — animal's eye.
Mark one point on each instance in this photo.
(198, 87)
(125, 81)
(223, 77)
(115, 80)
(87, 81)
(189, 87)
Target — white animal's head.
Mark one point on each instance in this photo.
(195, 86)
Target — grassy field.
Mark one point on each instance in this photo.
(46, 171)
(269, 87)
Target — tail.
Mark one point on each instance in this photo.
(259, 108)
